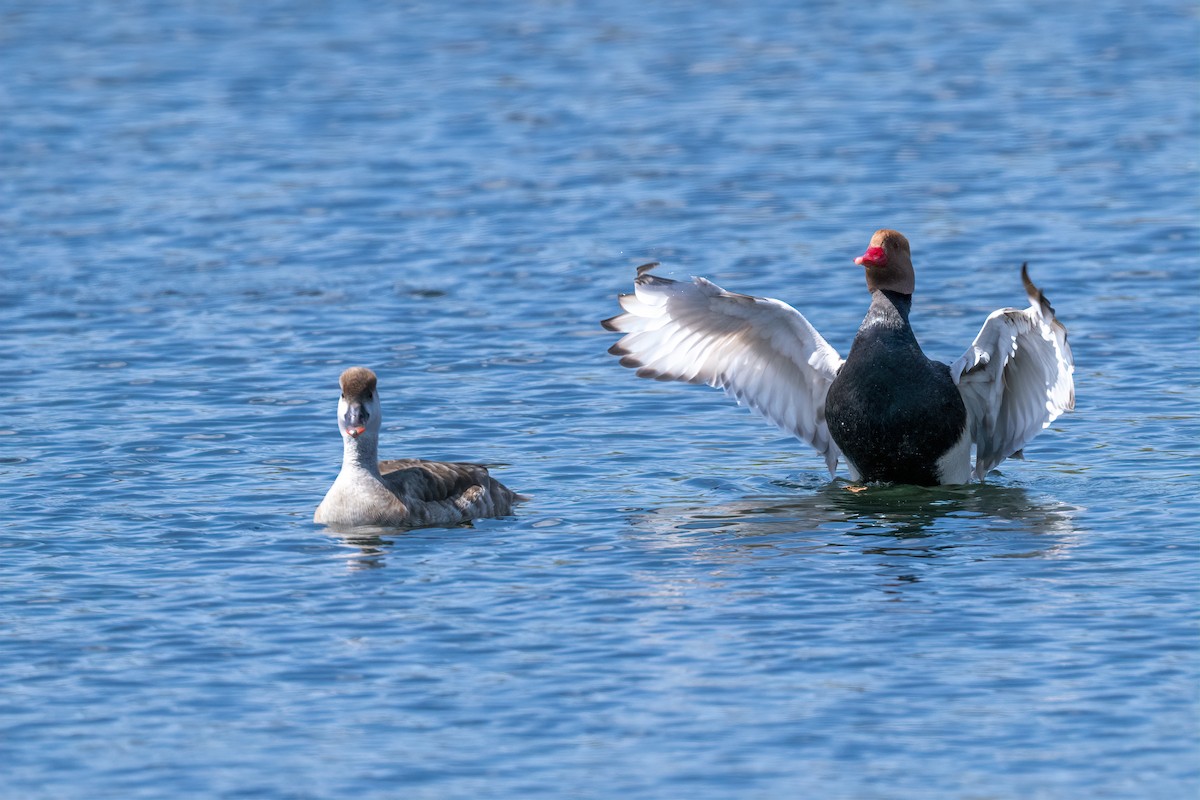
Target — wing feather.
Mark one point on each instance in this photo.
(1015, 378)
(762, 352)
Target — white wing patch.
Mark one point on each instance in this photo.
(762, 352)
(1015, 378)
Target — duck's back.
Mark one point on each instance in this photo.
(895, 414)
(438, 491)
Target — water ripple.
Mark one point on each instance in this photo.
(215, 210)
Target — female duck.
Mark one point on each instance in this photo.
(409, 492)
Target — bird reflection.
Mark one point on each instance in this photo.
(372, 548)
(373, 542)
(892, 519)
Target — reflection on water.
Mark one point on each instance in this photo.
(370, 544)
(372, 549)
(915, 520)
(910, 520)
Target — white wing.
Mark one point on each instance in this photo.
(762, 352)
(1015, 379)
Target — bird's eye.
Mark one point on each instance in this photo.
(369, 395)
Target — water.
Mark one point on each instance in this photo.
(209, 210)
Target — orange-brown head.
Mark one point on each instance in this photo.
(888, 262)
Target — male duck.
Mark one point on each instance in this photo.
(892, 413)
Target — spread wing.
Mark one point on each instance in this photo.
(762, 352)
(1015, 379)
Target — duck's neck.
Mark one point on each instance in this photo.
(361, 453)
(888, 309)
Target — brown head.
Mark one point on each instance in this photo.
(357, 381)
(888, 262)
(358, 407)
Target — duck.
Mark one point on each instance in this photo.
(402, 493)
(893, 414)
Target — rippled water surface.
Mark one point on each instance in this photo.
(208, 210)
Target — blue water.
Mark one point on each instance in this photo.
(208, 210)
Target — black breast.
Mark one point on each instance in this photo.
(892, 411)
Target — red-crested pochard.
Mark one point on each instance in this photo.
(893, 414)
(405, 493)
